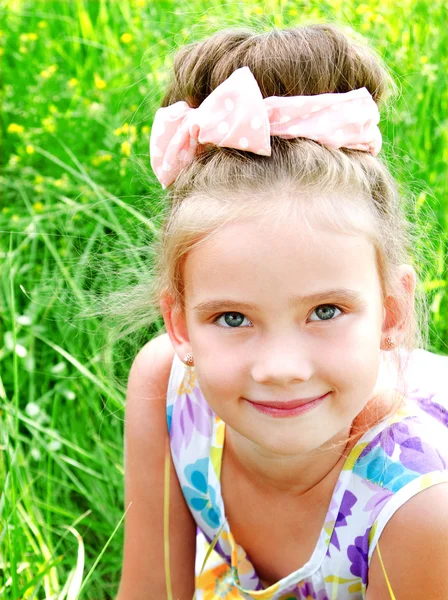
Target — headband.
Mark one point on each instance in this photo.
(235, 115)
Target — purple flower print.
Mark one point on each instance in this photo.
(415, 454)
(377, 500)
(308, 591)
(388, 438)
(191, 414)
(348, 502)
(358, 554)
(421, 457)
(434, 409)
(345, 510)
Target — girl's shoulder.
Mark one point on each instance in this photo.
(153, 363)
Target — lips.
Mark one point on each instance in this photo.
(290, 404)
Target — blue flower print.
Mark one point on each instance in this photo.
(201, 497)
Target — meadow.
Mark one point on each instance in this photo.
(79, 207)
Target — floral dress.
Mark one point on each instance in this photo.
(389, 464)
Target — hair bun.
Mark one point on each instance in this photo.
(310, 60)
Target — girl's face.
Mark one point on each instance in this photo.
(278, 314)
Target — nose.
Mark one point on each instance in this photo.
(281, 361)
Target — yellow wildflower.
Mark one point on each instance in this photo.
(118, 131)
(145, 129)
(49, 71)
(140, 3)
(125, 128)
(25, 37)
(424, 60)
(126, 148)
(126, 38)
(39, 189)
(38, 207)
(15, 128)
(49, 124)
(1, 33)
(72, 82)
(13, 160)
(42, 24)
(39, 179)
(53, 109)
(23, 50)
(29, 149)
(100, 84)
(98, 160)
(2, 51)
(365, 26)
(15, 218)
(63, 182)
(361, 9)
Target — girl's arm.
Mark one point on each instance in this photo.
(146, 438)
(414, 549)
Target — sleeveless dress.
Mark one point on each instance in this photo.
(390, 463)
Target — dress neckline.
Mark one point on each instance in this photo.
(248, 576)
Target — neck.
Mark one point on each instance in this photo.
(295, 476)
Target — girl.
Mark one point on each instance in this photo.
(302, 424)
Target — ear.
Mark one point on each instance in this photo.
(176, 326)
(398, 307)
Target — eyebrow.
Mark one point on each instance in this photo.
(341, 294)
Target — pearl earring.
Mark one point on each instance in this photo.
(188, 358)
(390, 342)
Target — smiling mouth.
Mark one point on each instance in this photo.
(288, 405)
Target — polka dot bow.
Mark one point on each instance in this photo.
(235, 115)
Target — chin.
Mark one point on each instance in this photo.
(287, 445)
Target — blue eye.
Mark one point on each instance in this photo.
(234, 320)
(327, 312)
(231, 319)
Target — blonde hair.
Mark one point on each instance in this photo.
(349, 190)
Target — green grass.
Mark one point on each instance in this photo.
(79, 204)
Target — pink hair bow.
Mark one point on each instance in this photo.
(235, 115)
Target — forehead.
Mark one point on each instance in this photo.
(255, 260)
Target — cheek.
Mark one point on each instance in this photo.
(353, 357)
(219, 377)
